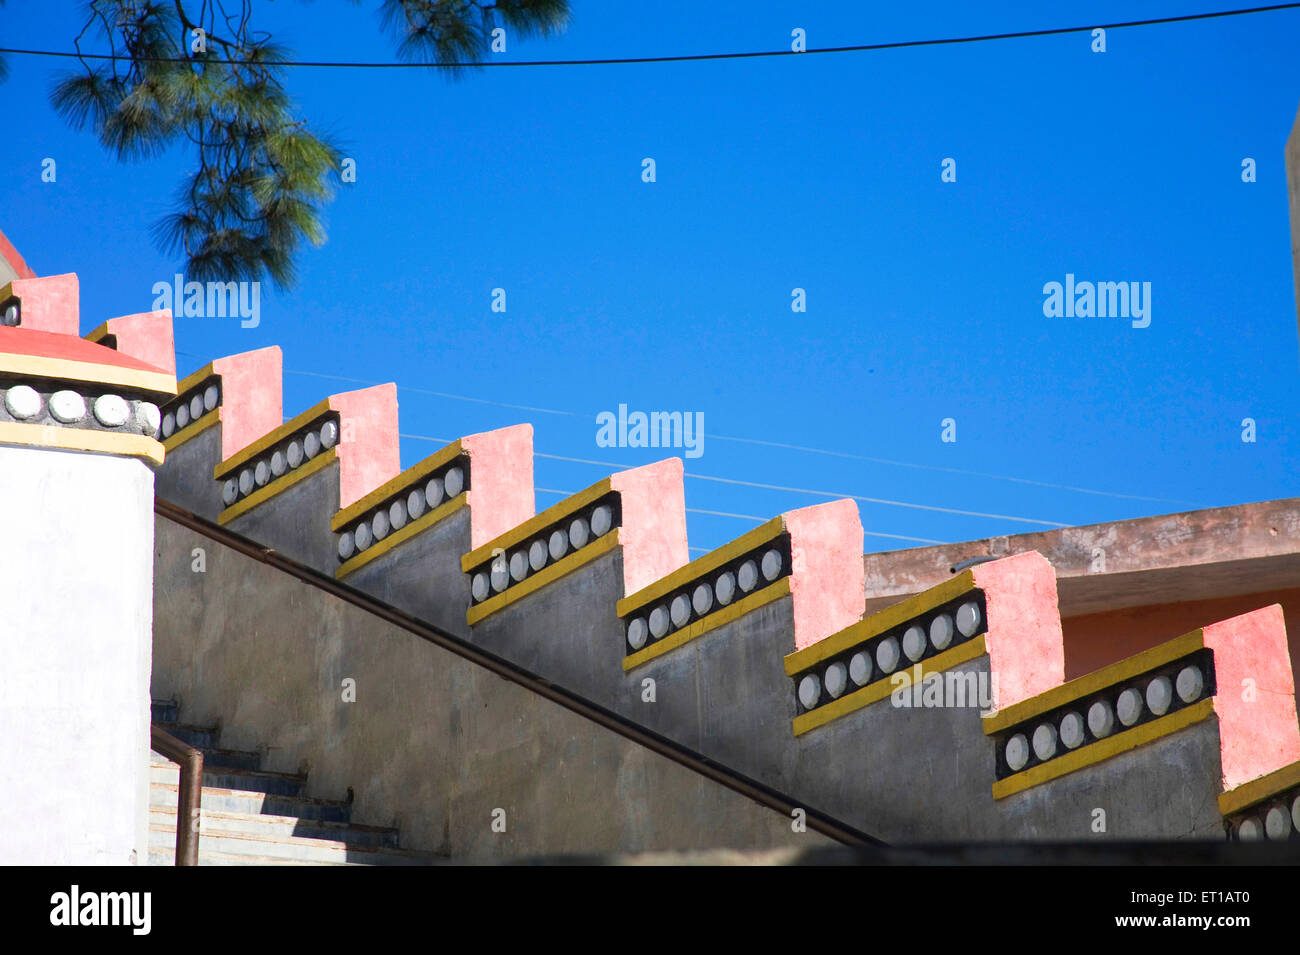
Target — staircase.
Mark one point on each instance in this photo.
(254, 817)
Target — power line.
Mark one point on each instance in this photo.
(756, 519)
(771, 444)
(796, 490)
(684, 58)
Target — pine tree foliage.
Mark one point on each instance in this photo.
(197, 73)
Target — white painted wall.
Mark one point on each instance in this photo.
(76, 622)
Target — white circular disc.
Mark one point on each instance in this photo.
(210, 398)
(379, 525)
(602, 518)
(518, 565)
(23, 401)
(887, 654)
(702, 599)
(725, 588)
(558, 544)
(1017, 752)
(1072, 733)
(1190, 683)
(311, 444)
(453, 482)
(362, 535)
(772, 565)
(941, 631)
(347, 547)
(278, 464)
(837, 678)
(329, 435)
(810, 691)
(397, 514)
(914, 643)
(415, 503)
(1129, 706)
(112, 411)
(860, 668)
(1101, 719)
(479, 586)
(1045, 741)
(537, 555)
(680, 610)
(294, 453)
(637, 633)
(67, 406)
(968, 619)
(747, 576)
(433, 492)
(658, 622)
(1160, 694)
(579, 533)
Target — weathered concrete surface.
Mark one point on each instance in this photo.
(296, 521)
(185, 477)
(433, 743)
(1110, 576)
(900, 774)
(422, 576)
(75, 651)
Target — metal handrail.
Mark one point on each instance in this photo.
(191, 791)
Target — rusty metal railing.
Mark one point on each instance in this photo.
(187, 798)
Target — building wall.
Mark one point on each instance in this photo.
(75, 651)
(1096, 639)
(433, 743)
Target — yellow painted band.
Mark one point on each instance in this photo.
(400, 536)
(1257, 790)
(273, 488)
(191, 430)
(879, 623)
(534, 524)
(410, 476)
(701, 566)
(548, 574)
(95, 336)
(1103, 749)
(271, 438)
(1094, 682)
(882, 689)
(711, 622)
(38, 366)
(79, 439)
(194, 378)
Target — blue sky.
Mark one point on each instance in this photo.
(924, 298)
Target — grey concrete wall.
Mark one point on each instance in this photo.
(901, 774)
(296, 521)
(75, 623)
(422, 576)
(185, 477)
(433, 743)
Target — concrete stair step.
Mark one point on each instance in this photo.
(200, 737)
(163, 795)
(227, 758)
(219, 777)
(289, 848)
(164, 857)
(216, 821)
(164, 711)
